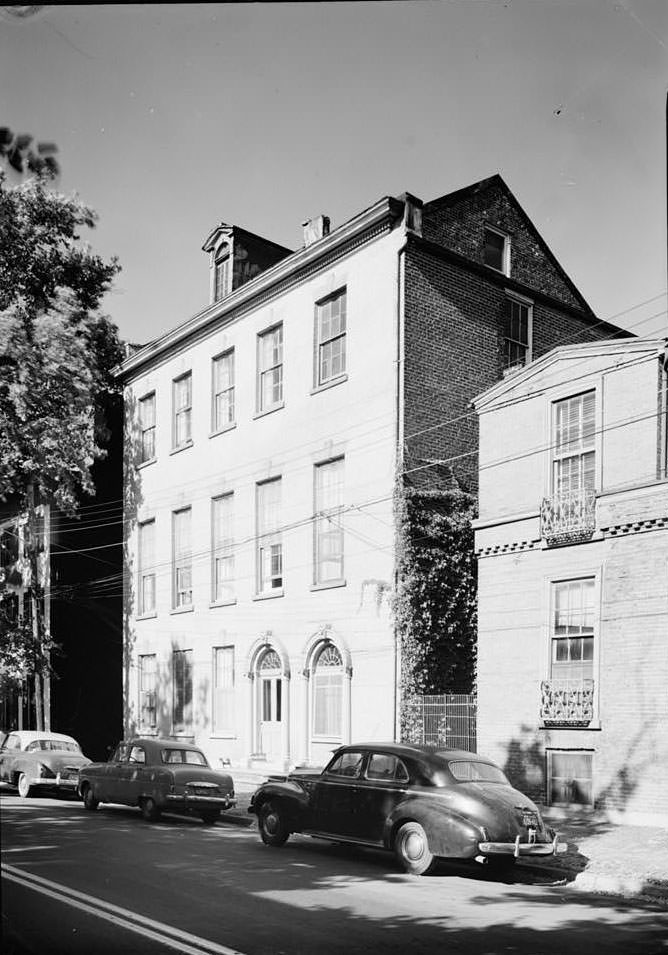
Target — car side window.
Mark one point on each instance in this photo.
(13, 742)
(347, 764)
(386, 767)
(137, 755)
(32, 747)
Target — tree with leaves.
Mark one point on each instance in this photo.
(56, 356)
(23, 155)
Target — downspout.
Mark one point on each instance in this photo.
(412, 223)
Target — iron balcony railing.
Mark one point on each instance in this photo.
(567, 702)
(568, 517)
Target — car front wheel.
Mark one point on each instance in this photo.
(411, 847)
(89, 800)
(25, 789)
(150, 810)
(274, 829)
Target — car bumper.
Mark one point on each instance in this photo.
(177, 800)
(55, 782)
(519, 848)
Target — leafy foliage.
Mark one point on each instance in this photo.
(23, 156)
(435, 604)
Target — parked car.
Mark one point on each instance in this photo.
(417, 802)
(34, 760)
(158, 775)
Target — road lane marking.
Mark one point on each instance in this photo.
(28, 849)
(149, 928)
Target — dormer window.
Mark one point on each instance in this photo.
(221, 273)
(496, 250)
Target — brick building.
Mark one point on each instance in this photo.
(573, 577)
(264, 436)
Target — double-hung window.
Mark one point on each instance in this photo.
(327, 525)
(269, 556)
(147, 428)
(223, 548)
(223, 390)
(573, 446)
(572, 637)
(182, 403)
(146, 583)
(147, 691)
(517, 333)
(330, 322)
(221, 274)
(182, 711)
(270, 369)
(223, 690)
(181, 558)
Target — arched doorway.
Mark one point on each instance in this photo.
(270, 705)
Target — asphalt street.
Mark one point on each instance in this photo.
(103, 882)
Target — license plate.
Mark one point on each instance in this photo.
(530, 819)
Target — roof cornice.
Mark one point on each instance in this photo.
(365, 225)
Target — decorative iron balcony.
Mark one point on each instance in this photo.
(568, 518)
(567, 702)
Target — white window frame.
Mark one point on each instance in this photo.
(222, 697)
(221, 273)
(146, 569)
(181, 561)
(562, 674)
(553, 750)
(148, 678)
(338, 671)
(182, 413)
(147, 429)
(228, 392)
(556, 456)
(322, 342)
(269, 556)
(267, 368)
(185, 725)
(512, 299)
(505, 255)
(327, 523)
(222, 550)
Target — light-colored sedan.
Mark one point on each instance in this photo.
(32, 760)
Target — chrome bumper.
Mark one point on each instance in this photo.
(55, 782)
(518, 848)
(222, 802)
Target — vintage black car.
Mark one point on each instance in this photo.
(416, 801)
(158, 775)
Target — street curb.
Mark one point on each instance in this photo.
(626, 886)
(237, 820)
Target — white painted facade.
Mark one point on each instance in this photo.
(617, 740)
(352, 419)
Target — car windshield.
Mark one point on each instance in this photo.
(191, 756)
(54, 746)
(473, 771)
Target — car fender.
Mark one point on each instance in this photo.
(294, 797)
(450, 834)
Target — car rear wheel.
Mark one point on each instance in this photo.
(150, 810)
(209, 817)
(89, 800)
(24, 787)
(274, 829)
(411, 847)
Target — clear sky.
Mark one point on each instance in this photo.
(171, 118)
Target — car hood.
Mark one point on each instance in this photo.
(59, 761)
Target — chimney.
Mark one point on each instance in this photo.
(315, 229)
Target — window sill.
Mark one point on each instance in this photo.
(262, 414)
(150, 615)
(328, 585)
(148, 732)
(269, 595)
(223, 603)
(145, 464)
(228, 427)
(594, 726)
(182, 447)
(339, 380)
(222, 735)
(188, 609)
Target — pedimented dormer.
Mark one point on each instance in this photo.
(237, 256)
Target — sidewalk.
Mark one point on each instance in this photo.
(602, 856)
